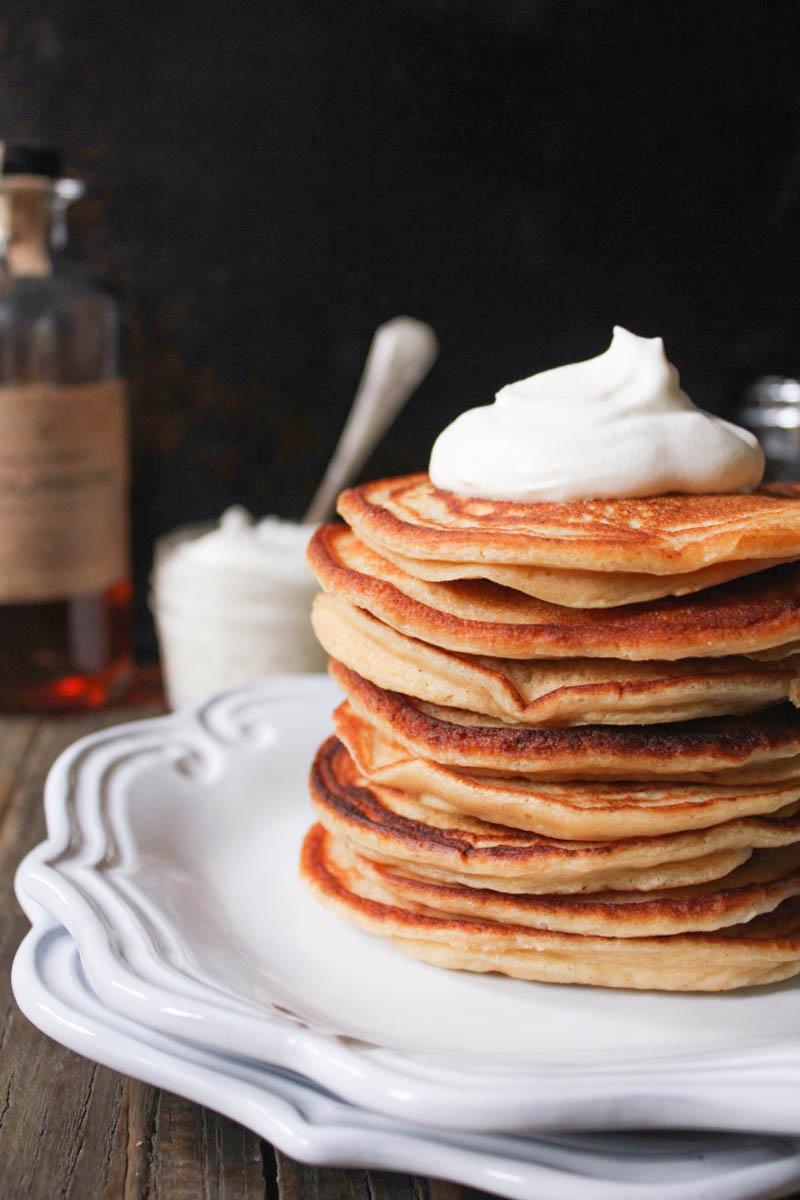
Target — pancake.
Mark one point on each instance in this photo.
(752, 615)
(777, 653)
(571, 588)
(764, 882)
(391, 826)
(658, 535)
(555, 692)
(764, 950)
(714, 749)
(575, 810)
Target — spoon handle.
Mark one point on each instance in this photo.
(400, 355)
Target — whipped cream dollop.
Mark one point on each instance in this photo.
(617, 425)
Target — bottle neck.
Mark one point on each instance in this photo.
(28, 207)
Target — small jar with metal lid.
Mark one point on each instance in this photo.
(771, 410)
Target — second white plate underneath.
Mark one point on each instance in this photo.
(50, 987)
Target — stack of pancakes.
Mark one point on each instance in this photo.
(569, 749)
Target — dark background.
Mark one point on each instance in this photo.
(268, 182)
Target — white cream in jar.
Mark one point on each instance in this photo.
(231, 603)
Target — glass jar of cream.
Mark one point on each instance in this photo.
(231, 604)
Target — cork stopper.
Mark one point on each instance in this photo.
(34, 195)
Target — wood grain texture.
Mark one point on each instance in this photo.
(299, 1182)
(72, 1129)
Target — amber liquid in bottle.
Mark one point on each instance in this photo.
(65, 592)
(66, 654)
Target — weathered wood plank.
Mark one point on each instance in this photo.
(127, 1175)
(299, 1182)
(16, 734)
(197, 1153)
(60, 1115)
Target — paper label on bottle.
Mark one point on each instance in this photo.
(63, 489)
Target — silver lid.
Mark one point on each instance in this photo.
(772, 401)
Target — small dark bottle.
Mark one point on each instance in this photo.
(65, 591)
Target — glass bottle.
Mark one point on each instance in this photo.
(65, 590)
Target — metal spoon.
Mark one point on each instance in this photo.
(400, 355)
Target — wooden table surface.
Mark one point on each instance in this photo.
(70, 1128)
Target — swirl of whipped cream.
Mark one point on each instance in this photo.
(617, 425)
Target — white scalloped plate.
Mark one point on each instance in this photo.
(52, 991)
(171, 859)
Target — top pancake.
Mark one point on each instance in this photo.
(659, 535)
